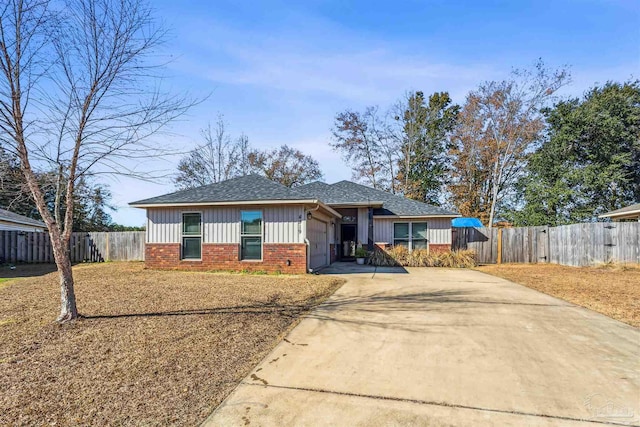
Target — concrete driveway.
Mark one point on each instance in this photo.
(440, 347)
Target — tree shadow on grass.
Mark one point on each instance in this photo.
(379, 310)
(333, 309)
(258, 309)
(12, 271)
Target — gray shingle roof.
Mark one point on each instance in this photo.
(244, 188)
(345, 192)
(6, 215)
(258, 188)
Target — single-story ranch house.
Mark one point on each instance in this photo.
(254, 224)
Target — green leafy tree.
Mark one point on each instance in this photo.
(590, 160)
(91, 207)
(119, 227)
(402, 150)
(425, 129)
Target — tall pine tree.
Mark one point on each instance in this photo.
(424, 163)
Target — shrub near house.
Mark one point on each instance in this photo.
(400, 256)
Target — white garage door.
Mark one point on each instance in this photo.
(318, 244)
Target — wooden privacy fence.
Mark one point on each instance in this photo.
(32, 247)
(575, 244)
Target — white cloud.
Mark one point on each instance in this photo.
(363, 75)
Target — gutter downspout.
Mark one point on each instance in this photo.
(306, 241)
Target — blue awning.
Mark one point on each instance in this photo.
(466, 222)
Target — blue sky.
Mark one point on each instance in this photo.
(279, 72)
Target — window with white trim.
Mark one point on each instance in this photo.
(251, 235)
(191, 236)
(412, 235)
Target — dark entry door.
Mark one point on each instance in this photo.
(349, 240)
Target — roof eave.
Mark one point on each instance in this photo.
(420, 216)
(374, 204)
(328, 209)
(224, 203)
(30, 224)
(621, 215)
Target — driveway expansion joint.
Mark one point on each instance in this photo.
(444, 404)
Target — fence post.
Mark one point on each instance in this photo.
(499, 246)
(107, 257)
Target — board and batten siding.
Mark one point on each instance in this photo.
(221, 224)
(283, 224)
(439, 229)
(163, 225)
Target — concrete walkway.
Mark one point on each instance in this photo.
(439, 347)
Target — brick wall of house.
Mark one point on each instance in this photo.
(223, 256)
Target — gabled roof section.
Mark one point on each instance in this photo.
(316, 187)
(256, 188)
(242, 189)
(346, 192)
(9, 216)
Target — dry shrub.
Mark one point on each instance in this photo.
(458, 259)
(400, 256)
(616, 266)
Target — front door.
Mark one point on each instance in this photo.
(349, 240)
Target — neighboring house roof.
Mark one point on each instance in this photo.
(256, 188)
(9, 216)
(466, 222)
(632, 211)
(350, 193)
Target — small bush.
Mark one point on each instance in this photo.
(361, 253)
(400, 256)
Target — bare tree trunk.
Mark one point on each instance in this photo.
(497, 175)
(68, 309)
(493, 209)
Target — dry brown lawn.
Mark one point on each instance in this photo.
(155, 347)
(613, 290)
